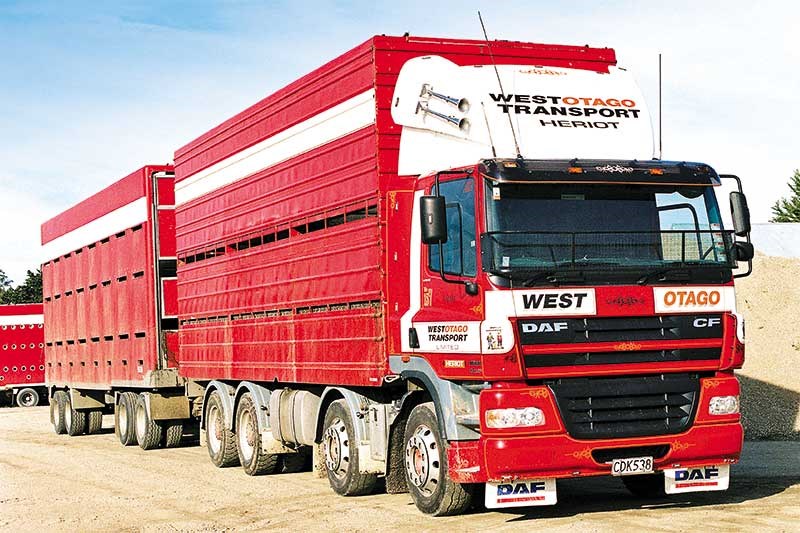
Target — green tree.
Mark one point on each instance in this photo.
(29, 292)
(788, 209)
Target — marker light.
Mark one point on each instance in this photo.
(575, 170)
(511, 418)
(657, 171)
(723, 405)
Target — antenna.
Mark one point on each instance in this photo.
(660, 137)
(489, 130)
(500, 83)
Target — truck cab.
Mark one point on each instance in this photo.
(593, 301)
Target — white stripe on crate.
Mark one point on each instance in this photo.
(127, 216)
(15, 320)
(334, 123)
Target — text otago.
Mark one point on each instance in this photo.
(448, 333)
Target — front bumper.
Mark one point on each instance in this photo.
(560, 456)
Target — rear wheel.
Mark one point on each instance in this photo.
(646, 485)
(427, 474)
(248, 439)
(125, 418)
(220, 441)
(341, 453)
(57, 408)
(94, 421)
(173, 433)
(27, 397)
(74, 420)
(148, 431)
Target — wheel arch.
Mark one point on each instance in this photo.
(226, 396)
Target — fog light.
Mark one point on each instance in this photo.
(511, 418)
(723, 405)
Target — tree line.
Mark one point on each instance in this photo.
(28, 292)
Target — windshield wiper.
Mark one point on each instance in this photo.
(666, 274)
(554, 277)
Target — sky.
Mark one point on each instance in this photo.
(90, 91)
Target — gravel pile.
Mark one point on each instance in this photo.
(770, 301)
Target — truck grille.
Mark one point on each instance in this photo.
(602, 408)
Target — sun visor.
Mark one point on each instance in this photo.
(452, 115)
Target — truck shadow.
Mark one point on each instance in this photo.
(769, 411)
(577, 497)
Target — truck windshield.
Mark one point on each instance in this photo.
(551, 228)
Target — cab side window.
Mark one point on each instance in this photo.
(459, 250)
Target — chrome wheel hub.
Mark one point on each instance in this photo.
(422, 460)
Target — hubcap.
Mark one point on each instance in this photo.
(214, 429)
(422, 460)
(246, 430)
(26, 399)
(141, 420)
(122, 415)
(337, 448)
(68, 416)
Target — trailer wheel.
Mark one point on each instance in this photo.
(293, 462)
(341, 453)
(427, 474)
(148, 431)
(94, 422)
(125, 418)
(645, 486)
(173, 433)
(27, 397)
(74, 420)
(220, 441)
(248, 439)
(57, 408)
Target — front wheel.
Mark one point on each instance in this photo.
(427, 475)
(341, 453)
(27, 397)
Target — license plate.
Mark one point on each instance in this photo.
(521, 493)
(632, 466)
(696, 479)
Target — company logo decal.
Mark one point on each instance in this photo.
(678, 299)
(569, 106)
(555, 302)
(544, 327)
(696, 477)
(627, 347)
(521, 489)
(448, 333)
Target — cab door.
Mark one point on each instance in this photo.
(449, 318)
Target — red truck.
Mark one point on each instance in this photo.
(454, 264)
(22, 355)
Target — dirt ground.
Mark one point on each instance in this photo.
(52, 482)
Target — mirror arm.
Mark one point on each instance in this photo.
(747, 237)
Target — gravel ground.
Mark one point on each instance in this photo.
(770, 301)
(53, 482)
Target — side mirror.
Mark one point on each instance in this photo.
(743, 251)
(740, 213)
(434, 219)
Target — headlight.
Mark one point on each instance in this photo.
(723, 405)
(511, 418)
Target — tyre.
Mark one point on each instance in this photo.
(341, 453)
(94, 421)
(248, 439)
(173, 433)
(57, 407)
(27, 397)
(220, 441)
(293, 462)
(125, 418)
(74, 420)
(646, 485)
(148, 431)
(427, 475)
